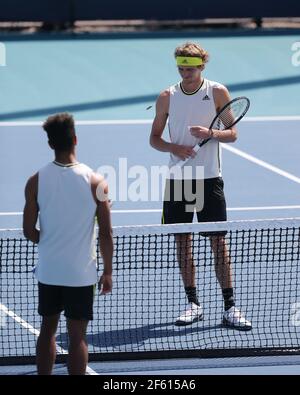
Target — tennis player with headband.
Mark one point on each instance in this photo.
(189, 107)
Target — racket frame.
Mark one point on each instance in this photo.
(197, 147)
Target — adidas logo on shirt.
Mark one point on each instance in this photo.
(206, 97)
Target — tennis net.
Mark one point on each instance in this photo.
(137, 319)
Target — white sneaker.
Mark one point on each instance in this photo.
(233, 318)
(192, 314)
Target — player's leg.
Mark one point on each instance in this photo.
(78, 311)
(214, 211)
(175, 211)
(49, 308)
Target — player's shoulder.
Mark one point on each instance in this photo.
(170, 90)
(217, 86)
(85, 168)
(99, 187)
(33, 179)
(47, 167)
(99, 182)
(164, 94)
(96, 178)
(163, 99)
(32, 183)
(220, 92)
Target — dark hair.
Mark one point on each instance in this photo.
(60, 130)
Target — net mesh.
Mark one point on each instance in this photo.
(137, 319)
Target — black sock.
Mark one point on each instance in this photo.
(228, 298)
(191, 293)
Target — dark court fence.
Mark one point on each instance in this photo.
(69, 11)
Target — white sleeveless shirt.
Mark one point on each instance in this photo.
(67, 220)
(191, 110)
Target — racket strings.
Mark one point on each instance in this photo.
(230, 115)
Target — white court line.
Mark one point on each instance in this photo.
(261, 163)
(140, 211)
(23, 323)
(10, 214)
(148, 121)
(272, 118)
(84, 123)
(264, 208)
(35, 332)
(258, 208)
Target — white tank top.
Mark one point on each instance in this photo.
(194, 109)
(67, 218)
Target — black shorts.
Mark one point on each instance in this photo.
(76, 302)
(213, 208)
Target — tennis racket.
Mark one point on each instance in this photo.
(227, 117)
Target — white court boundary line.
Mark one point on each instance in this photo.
(35, 332)
(261, 163)
(140, 211)
(283, 118)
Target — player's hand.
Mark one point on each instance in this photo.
(105, 284)
(200, 132)
(183, 151)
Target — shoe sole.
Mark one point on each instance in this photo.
(244, 328)
(184, 323)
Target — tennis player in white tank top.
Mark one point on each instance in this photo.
(189, 107)
(66, 196)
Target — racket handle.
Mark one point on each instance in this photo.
(204, 142)
(184, 162)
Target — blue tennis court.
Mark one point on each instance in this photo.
(261, 180)
(109, 101)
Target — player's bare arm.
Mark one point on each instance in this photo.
(31, 210)
(221, 98)
(159, 123)
(100, 193)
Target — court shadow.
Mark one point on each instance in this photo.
(135, 337)
(143, 100)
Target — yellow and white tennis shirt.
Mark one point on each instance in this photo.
(193, 109)
(67, 219)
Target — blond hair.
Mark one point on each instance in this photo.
(192, 49)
